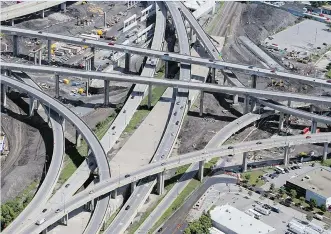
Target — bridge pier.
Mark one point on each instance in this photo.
(313, 126)
(106, 94)
(63, 6)
(281, 121)
(78, 138)
(49, 51)
(149, 101)
(127, 62)
(65, 220)
(254, 81)
(15, 44)
(93, 59)
(286, 155)
(105, 19)
(235, 99)
(113, 194)
(42, 13)
(201, 170)
(213, 75)
(160, 183)
(63, 123)
(133, 186)
(35, 58)
(31, 106)
(201, 103)
(57, 86)
(12, 22)
(325, 151)
(44, 231)
(311, 108)
(39, 57)
(246, 109)
(166, 69)
(3, 95)
(244, 165)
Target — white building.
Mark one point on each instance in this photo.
(233, 221)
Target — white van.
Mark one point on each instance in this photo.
(40, 221)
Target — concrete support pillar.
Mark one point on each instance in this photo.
(93, 59)
(313, 126)
(49, 50)
(15, 45)
(39, 57)
(106, 97)
(57, 86)
(201, 103)
(133, 186)
(286, 155)
(78, 138)
(31, 106)
(235, 99)
(63, 123)
(224, 80)
(87, 86)
(42, 13)
(201, 169)
(289, 103)
(281, 121)
(127, 62)
(65, 220)
(63, 6)
(246, 108)
(149, 99)
(35, 58)
(44, 231)
(213, 75)
(104, 19)
(325, 151)
(244, 165)
(253, 104)
(254, 80)
(3, 95)
(311, 108)
(113, 194)
(160, 183)
(166, 69)
(12, 22)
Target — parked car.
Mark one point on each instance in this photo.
(127, 175)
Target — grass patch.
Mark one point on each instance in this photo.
(143, 111)
(177, 203)
(327, 163)
(254, 177)
(216, 18)
(112, 217)
(328, 74)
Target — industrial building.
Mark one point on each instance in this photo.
(233, 221)
(314, 184)
(299, 227)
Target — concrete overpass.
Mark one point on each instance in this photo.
(167, 56)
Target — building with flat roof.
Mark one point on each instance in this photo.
(313, 184)
(233, 221)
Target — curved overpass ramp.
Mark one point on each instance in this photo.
(53, 173)
(25, 8)
(154, 168)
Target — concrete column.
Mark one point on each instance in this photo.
(15, 45)
(63, 123)
(253, 104)
(3, 95)
(166, 69)
(39, 57)
(49, 50)
(44, 231)
(104, 19)
(325, 151)
(42, 14)
(113, 194)
(63, 6)
(254, 79)
(286, 155)
(78, 138)
(281, 121)
(65, 220)
(213, 75)
(35, 58)
(201, 103)
(87, 86)
(201, 169)
(224, 80)
(93, 59)
(311, 108)
(31, 106)
(246, 109)
(106, 97)
(133, 186)
(160, 183)
(127, 62)
(57, 86)
(289, 102)
(12, 22)
(235, 99)
(149, 96)
(313, 126)
(244, 165)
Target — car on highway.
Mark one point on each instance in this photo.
(111, 43)
(160, 229)
(127, 207)
(67, 185)
(113, 128)
(41, 221)
(44, 210)
(162, 164)
(328, 81)
(177, 103)
(58, 210)
(230, 147)
(308, 137)
(162, 156)
(250, 67)
(177, 122)
(259, 143)
(127, 175)
(175, 114)
(124, 111)
(230, 155)
(83, 40)
(273, 71)
(40, 32)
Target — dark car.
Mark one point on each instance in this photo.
(113, 128)
(308, 137)
(286, 170)
(160, 229)
(127, 175)
(250, 67)
(177, 122)
(275, 209)
(266, 206)
(44, 210)
(40, 32)
(162, 164)
(111, 43)
(328, 81)
(127, 207)
(230, 147)
(67, 185)
(259, 143)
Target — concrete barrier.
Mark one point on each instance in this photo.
(130, 23)
(147, 12)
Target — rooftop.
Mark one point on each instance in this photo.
(319, 181)
(238, 221)
(327, 7)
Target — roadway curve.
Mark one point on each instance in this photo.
(163, 165)
(124, 217)
(213, 63)
(53, 173)
(171, 83)
(25, 8)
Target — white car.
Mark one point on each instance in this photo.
(40, 221)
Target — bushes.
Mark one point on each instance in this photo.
(200, 226)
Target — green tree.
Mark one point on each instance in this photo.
(312, 203)
(250, 193)
(272, 187)
(187, 231)
(309, 217)
(328, 67)
(327, 226)
(323, 207)
(318, 3)
(196, 227)
(302, 199)
(293, 193)
(7, 214)
(247, 177)
(205, 222)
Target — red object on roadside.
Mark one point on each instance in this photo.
(322, 15)
(317, 130)
(19, 2)
(305, 130)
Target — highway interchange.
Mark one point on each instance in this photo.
(161, 163)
